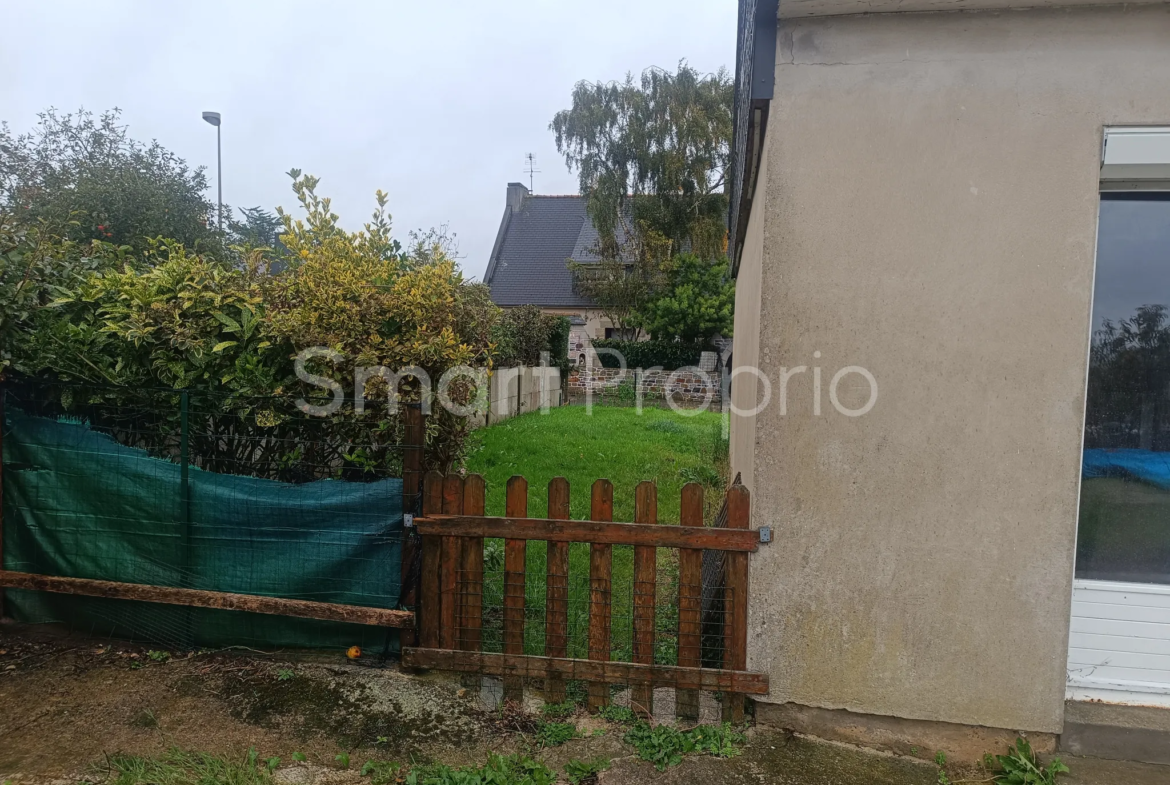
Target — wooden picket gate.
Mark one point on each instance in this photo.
(452, 606)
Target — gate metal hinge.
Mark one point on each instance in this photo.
(408, 520)
(765, 533)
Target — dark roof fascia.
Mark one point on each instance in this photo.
(500, 233)
(755, 80)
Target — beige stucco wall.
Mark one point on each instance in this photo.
(931, 216)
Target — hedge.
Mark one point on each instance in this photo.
(669, 355)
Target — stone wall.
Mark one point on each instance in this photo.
(682, 385)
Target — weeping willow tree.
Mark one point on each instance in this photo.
(654, 151)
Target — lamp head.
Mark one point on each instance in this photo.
(212, 117)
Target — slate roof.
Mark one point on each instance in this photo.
(533, 245)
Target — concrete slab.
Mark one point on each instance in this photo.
(779, 758)
(1104, 730)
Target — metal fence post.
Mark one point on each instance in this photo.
(413, 441)
(185, 476)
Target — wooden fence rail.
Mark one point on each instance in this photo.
(197, 598)
(451, 596)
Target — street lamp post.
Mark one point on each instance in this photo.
(214, 119)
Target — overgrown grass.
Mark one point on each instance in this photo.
(177, 767)
(499, 769)
(613, 443)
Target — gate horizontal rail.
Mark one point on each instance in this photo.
(532, 666)
(602, 532)
(197, 598)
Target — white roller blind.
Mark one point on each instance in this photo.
(1136, 154)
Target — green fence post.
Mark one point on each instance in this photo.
(185, 504)
(1, 493)
(184, 469)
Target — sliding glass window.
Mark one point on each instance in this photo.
(1124, 531)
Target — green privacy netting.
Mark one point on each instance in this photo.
(78, 504)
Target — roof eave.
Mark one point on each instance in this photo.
(500, 234)
(755, 77)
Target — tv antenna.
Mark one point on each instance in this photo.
(530, 169)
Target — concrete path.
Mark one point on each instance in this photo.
(783, 759)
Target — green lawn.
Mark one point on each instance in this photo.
(614, 443)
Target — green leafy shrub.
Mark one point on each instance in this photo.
(696, 304)
(169, 317)
(554, 734)
(669, 355)
(559, 710)
(622, 715)
(582, 772)
(719, 741)
(1021, 767)
(626, 392)
(665, 746)
(558, 343)
(380, 772)
(523, 333)
(499, 770)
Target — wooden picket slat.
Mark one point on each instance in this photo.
(690, 601)
(736, 601)
(519, 667)
(600, 590)
(430, 607)
(516, 506)
(645, 593)
(470, 637)
(449, 560)
(556, 623)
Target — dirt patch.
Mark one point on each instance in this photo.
(66, 703)
(69, 701)
(367, 708)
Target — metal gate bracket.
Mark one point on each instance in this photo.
(765, 534)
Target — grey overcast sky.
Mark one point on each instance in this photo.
(434, 102)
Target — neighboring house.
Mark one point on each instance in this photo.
(538, 236)
(933, 192)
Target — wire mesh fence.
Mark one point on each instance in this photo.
(189, 490)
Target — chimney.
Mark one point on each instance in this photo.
(516, 194)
